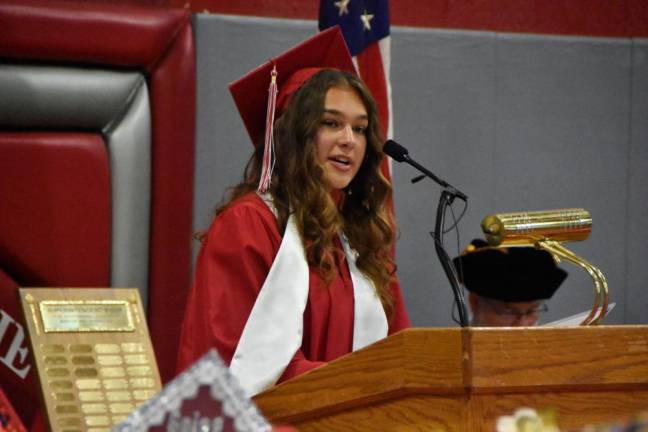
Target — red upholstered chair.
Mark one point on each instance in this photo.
(97, 125)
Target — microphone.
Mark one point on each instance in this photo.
(400, 154)
(526, 228)
(395, 151)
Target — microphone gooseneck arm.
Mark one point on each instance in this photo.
(448, 188)
(400, 154)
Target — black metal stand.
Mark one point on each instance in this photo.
(447, 197)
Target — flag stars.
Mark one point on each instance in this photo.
(366, 18)
(343, 7)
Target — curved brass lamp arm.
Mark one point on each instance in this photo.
(604, 284)
(600, 284)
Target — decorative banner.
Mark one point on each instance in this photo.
(92, 353)
(205, 397)
(9, 421)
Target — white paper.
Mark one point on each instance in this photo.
(575, 320)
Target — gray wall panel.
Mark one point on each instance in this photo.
(129, 148)
(637, 220)
(562, 141)
(443, 86)
(517, 122)
(61, 97)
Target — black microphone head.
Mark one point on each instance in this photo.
(395, 151)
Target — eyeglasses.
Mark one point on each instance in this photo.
(510, 312)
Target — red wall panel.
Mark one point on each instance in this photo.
(55, 209)
(623, 18)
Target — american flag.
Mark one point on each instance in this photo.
(365, 25)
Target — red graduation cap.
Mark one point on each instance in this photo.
(294, 67)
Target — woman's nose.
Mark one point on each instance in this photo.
(348, 137)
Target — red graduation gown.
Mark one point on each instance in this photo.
(233, 263)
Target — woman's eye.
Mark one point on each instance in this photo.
(360, 129)
(330, 123)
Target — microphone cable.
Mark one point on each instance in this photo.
(446, 261)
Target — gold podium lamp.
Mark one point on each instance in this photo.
(93, 355)
(548, 229)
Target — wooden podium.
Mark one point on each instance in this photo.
(453, 379)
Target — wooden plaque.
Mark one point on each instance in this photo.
(92, 353)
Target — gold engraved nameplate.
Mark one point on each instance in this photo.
(86, 316)
(92, 353)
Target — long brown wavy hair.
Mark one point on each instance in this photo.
(297, 186)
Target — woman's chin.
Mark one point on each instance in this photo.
(338, 184)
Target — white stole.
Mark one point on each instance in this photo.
(274, 330)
